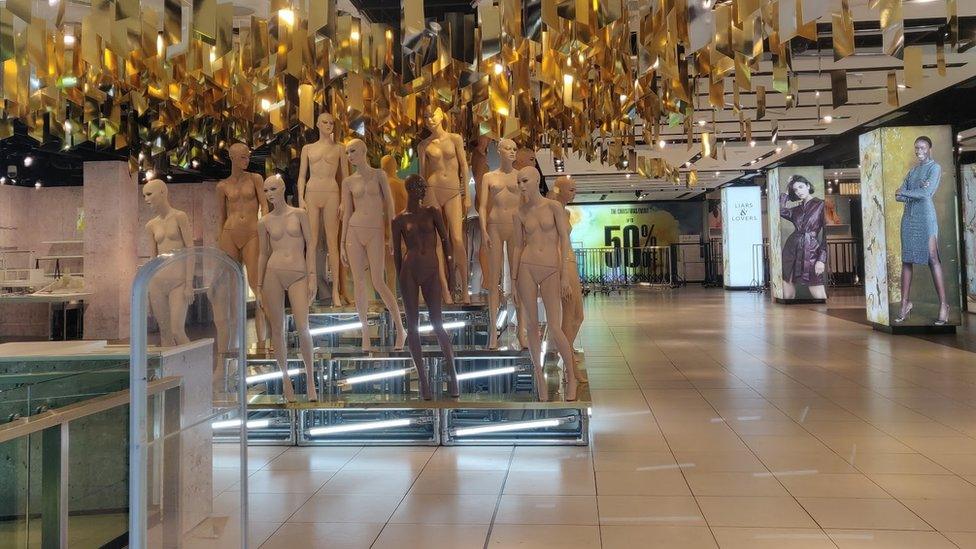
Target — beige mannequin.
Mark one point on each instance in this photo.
(171, 290)
(479, 167)
(287, 265)
(240, 199)
(544, 233)
(320, 173)
(500, 199)
(564, 191)
(444, 165)
(367, 211)
(398, 191)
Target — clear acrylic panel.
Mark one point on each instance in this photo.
(188, 465)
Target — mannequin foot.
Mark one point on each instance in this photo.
(580, 374)
(367, 345)
(905, 310)
(288, 392)
(943, 315)
(492, 339)
(336, 300)
(572, 388)
(401, 339)
(452, 387)
(541, 389)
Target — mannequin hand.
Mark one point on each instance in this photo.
(486, 239)
(467, 202)
(818, 267)
(301, 203)
(259, 297)
(566, 287)
(389, 246)
(343, 257)
(312, 287)
(188, 291)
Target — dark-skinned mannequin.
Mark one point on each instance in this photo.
(418, 228)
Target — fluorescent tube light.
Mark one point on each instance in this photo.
(292, 372)
(447, 326)
(375, 377)
(235, 423)
(486, 373)
(509, 426)
(366, 426)
(336, 328)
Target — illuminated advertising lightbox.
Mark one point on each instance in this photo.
(797, 238)
(742, 237)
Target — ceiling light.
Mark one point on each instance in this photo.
(789, 141)
(752, 143)
(37, 185)
(627, 176)
(195, 163)
(662, 143)
(701, 122)
(3, 180)
(169, 178)
(486, 373)
(288, 16)
(354, 36)
(69, 40)
(28, 160)
(374, 377)
(779, 150)
(150, 175)
(499, 68)
(828, 118)
(718, 173)
(688, 164)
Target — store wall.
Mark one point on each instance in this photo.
(969, 230)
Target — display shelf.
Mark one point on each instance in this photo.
(374, 399)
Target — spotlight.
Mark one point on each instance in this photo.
(38, 185)
(499, 68)
(3, 180)
(828, 118)
(150, 175)
(288, 16)
(28, 161)
(701, 122)
(661, 144)
(752, 143)
(195, 163)
(169, 178)
(69, 40)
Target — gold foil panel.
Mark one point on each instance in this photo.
(321, 17)
(491, 30)
(842, 32)
(892, 27)
(940, 59)
(952, 23)
(813, 10)
(716, 94)
(700, 25)
(913, 66)
(760, 102)
(892, 89)
(20, 8)
(744, 9)
(723, 30)
(6, 35)
(743, 72)
(838, 87)
(788, 15)
(204, 22)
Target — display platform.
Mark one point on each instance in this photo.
(374, 399)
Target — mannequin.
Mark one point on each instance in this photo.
(399, 193)
(286, 264)
(170, 291)
(497, 208)
(240, 199)
(367, 210)
(418, 228)
(320, 174)
(479, 167)
(564, 191)
(444, 165)
(544, 233)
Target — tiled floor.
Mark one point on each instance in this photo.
(720, 420)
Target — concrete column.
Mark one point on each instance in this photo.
(111, 202)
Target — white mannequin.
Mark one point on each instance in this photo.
(240, 199)
(287, 264)
(367, 212)
(564, 191)
(544, 233)
(321, 171)
(444, 165)
(500, 198)
(170, 291)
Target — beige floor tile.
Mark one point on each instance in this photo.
(771, 538)
(571, 481)
(941, 445)
(649, 510)
(744, 462)
(872, 463)
(733, 484)
(657, 537)
(432, 536)
(664, 482)
(927, 487)
(403, 459)
(768, 512)
(634, 461)
(348, 508)
(870, 514)
(945, 515)
(628, 442)
(570, 510)
(445, 509)
(313, 459)
(964, 540)
(540, 458)
(771, 444)
(453, 481)
(960, 464)
(848, 445)
(832, 485)
(228, 456)
(802, 463)
(471, 458)
(285, 481)
(356, 481)
(322, 535)
(888, 539)
(261, 507)
(520, 536)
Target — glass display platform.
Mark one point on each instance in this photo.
(374, 399)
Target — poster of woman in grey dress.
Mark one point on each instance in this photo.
(920, 228)
(805, 250)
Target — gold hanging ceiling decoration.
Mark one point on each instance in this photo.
(567, 75)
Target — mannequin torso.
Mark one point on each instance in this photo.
(167, 231)
(171, 289)
(442, 168)
(242, 201)
(365, 188)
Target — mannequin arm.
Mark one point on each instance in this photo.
(345, 210)
(397, 238)
(259, 192)
(929, 187)
(445, 241)
(562, 227)
(519, 239)
(152, 241)
(387, 202)
(343, 165)
(184, 222)
(264, 246)
(221, 209)
(422, 159)
(302, 169)
(483, 209)
(462, 164)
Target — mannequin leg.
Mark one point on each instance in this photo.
(573, 317)
(446, 289)
(789, 290)
(906, 289)
(330, 214)
(177, 314)
(493, 282)
(550, 289)
(298, 297)
(159, 306)
(411, 303)
(274, 300)
(359, 263)
(510, 247)
(454, 219)
(529, 292)
(432, 297)
(375, 248)
(250, 254)
(315, 216)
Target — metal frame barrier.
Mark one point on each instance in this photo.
(612, 268)
(845, 265)
(139, 489)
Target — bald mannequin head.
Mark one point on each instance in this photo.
(156, 194)
(389, 165)
(528, 182)
(507, 150)
(356, 152)
(564, 189)
(240, 156)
